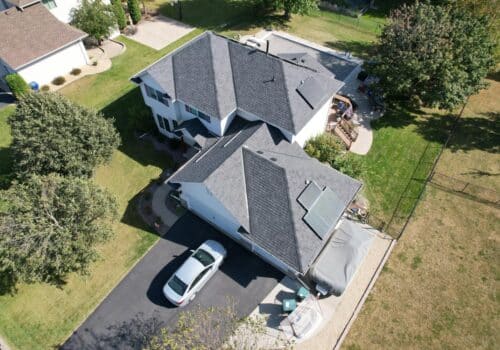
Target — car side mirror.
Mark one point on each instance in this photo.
(191, 251)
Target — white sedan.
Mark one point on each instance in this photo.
(182, 287)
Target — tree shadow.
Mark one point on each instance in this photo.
(223, 14)
(472, 132)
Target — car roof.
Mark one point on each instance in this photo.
(189, 270)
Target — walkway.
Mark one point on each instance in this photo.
(157, 32)
(99, 61)
(364, 114)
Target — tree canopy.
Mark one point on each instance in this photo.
(51, 134)
(134, 10)
(121, 18)
(436, 54)
(293, 6)
(50, 227)
(95, 18)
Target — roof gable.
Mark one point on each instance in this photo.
(32, 33)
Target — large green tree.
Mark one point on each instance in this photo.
(438, 55)
(300, 7)
(94, 18)
(51, 134)
(50, 227)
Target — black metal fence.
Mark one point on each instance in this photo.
(465, 188)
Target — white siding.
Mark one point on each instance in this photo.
(177, 109)
(204, 204)
(44, 70)
(315, 126)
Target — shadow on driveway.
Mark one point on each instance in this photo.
(136, 309)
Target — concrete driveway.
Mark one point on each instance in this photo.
(157, 32)
(136, 308)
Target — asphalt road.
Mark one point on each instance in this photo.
(137, 308)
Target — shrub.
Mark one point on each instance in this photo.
(45, 88)
(327, 148)
(17, 84)
(75, 71)
(59, 81)
(134, 10)
(121, 19)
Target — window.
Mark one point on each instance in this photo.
(163, 122)
(191, 110)
(150, 91)
(198, 278)
(157, 95)
(50, 4)
(204, 116)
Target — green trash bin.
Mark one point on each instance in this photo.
(302, 293)
(289, 305)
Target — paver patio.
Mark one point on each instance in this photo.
(157, 32)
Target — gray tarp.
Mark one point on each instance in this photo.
(340, 259)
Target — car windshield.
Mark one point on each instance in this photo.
(203, 257)
(177, 285)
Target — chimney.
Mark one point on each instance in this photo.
(267, 47)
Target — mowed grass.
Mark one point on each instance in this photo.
(40, 316)
(440, 286)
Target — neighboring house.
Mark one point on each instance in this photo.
(249, 113)
(36, 40)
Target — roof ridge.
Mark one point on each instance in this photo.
(212, 70)
(277, 57)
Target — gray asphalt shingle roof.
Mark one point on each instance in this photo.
(217, 75)
(258, 176)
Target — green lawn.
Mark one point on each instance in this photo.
(41, 316)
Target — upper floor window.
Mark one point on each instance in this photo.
(197, 113)
(204, 116)
(191, 110)
(157, 95)
(50, 4)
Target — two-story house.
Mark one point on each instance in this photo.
(250, 113)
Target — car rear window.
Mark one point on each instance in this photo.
(203, 257)
(177, 285)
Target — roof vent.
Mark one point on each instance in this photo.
(260, 152)
(273, 159)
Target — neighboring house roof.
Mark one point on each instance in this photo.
(258, 176)
(217, 75)
(32, 33)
